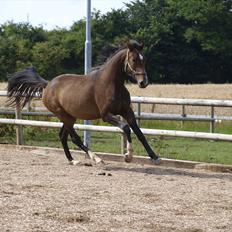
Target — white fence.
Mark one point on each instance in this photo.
(139, 100)
(212, 118)
(173, 133)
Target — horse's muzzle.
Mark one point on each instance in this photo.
(143, 84)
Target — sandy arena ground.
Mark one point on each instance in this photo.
(42, 193)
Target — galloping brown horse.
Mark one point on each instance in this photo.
(100, 94)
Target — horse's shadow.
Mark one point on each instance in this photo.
(162, 171)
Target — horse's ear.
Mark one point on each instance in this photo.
(141, 46)
(130, 45)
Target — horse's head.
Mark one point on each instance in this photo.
(134, 65)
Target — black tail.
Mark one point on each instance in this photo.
(23, 86)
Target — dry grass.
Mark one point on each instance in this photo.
(2, 99)
(3, 85)
(203, 91)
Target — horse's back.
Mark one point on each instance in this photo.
(56, 86)
(72, 93)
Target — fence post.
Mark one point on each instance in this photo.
(138, 113)
(29, 106)
(212, 123)
(153, 108)
(123, 141)
(183, 115)
(19, 128)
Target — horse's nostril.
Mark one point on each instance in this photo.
(141, 83)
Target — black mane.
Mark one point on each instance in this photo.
(107, 52)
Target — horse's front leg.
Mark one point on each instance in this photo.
(130, 118)
(114, 120)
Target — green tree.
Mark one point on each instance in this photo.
(16, 41)
(74, 42)
(47, 57)
(187, 41)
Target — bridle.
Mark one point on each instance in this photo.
(128, 65)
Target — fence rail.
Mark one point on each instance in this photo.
(139, 115)
(180, 101)
(172, 133)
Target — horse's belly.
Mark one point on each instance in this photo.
(86, 113)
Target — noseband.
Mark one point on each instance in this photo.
(128, 65)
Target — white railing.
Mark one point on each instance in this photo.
(173, 133)
(180, 101)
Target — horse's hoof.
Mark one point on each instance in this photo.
(95, 158)
(74, 162)
(157, 161)
(100, 162)
(128, 158)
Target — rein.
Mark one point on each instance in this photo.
(128, 65)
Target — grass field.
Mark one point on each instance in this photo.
(179, 148)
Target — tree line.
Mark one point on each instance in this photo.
(185, 41)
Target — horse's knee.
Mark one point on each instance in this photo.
(126, 129)
(105, 117)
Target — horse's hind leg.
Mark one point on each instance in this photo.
(77, 140)
(64, 140)
(68, 129)
(68, 121)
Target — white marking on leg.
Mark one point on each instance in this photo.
(74, 162)
(94, 157)
(129, 147)
(129, 154)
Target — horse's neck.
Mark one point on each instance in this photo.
(114, 69)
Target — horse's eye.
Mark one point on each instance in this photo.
(133, 60)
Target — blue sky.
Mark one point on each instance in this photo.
(52, 13)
